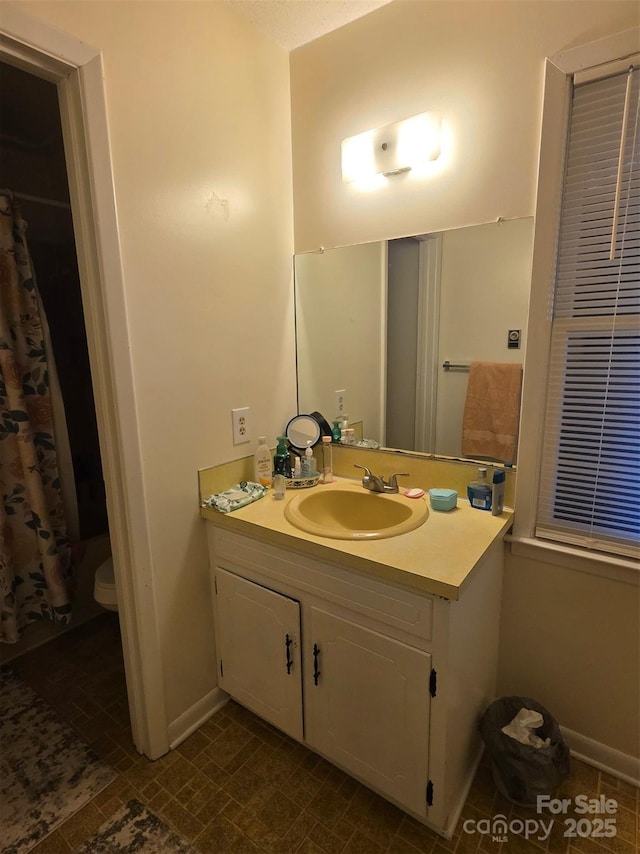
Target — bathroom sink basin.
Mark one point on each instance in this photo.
(353, 513)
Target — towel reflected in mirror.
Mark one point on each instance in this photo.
(492, 411)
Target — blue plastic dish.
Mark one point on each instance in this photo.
(443, 499)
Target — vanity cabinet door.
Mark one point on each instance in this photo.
(258, 633)
(367, 705)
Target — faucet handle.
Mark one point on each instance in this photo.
(371, 481)
(367, 478)
(367, 472)
(393, 482)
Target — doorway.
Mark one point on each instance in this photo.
(77, 70)
(413, 317)
(33, 168)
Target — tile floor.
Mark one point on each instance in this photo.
(237, 785)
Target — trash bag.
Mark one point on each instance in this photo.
(520, 771)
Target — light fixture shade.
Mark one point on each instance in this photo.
(403, 146)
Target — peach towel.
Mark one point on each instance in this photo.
(492, 410)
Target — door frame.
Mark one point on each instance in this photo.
(428, 342)
(77, 70)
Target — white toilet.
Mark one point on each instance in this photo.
(104, 586)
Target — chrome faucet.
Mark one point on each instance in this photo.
(375, 483)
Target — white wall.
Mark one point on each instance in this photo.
(481, 64)
(485, 278)
(340, 297)
(570, 640)
(199, 117)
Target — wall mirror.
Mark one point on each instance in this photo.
(393, 325)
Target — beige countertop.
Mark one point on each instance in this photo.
(435, 558)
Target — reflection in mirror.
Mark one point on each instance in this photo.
(381, 320)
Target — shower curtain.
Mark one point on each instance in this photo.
(35, 555)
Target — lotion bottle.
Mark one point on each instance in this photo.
(262, 463)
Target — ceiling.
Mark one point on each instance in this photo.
(291, 23)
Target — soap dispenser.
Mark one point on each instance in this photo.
(307, 467)
(281, 458)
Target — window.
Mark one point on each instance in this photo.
(590, 474)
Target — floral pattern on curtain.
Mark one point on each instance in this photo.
(35, 555)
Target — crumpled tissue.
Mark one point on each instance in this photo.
(522, 726)
(238, 496)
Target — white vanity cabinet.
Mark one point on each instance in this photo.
(258, 650)
(385, 681)
(367, 706)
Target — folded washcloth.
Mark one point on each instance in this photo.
(242, 493)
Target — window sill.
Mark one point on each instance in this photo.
(624, 570)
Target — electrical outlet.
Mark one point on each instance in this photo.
(240, 420)
(341, 401)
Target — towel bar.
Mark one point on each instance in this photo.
(454, 366)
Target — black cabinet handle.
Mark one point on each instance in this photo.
(316, 671)
(287, 642)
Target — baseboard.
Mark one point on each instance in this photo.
(621, 765)
(195, 716)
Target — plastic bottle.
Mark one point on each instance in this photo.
(279, 486)
(349, 436)
(344, 423)
(327, 460)
(497, 498)
(479, 491)
(262, 463)
(281, 458)
(306, 462)
(336, 433)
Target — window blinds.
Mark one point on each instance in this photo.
(590, 478)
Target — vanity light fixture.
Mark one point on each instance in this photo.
(405, 146)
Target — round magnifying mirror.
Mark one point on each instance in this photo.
(301, 430)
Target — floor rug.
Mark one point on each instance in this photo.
(134, 828)
(47, 773)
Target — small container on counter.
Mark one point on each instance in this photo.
(307, 464)
(443, 499)
(479, 491)
(282, 458)
(497, 498)
(279, 486)
(327, 460)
